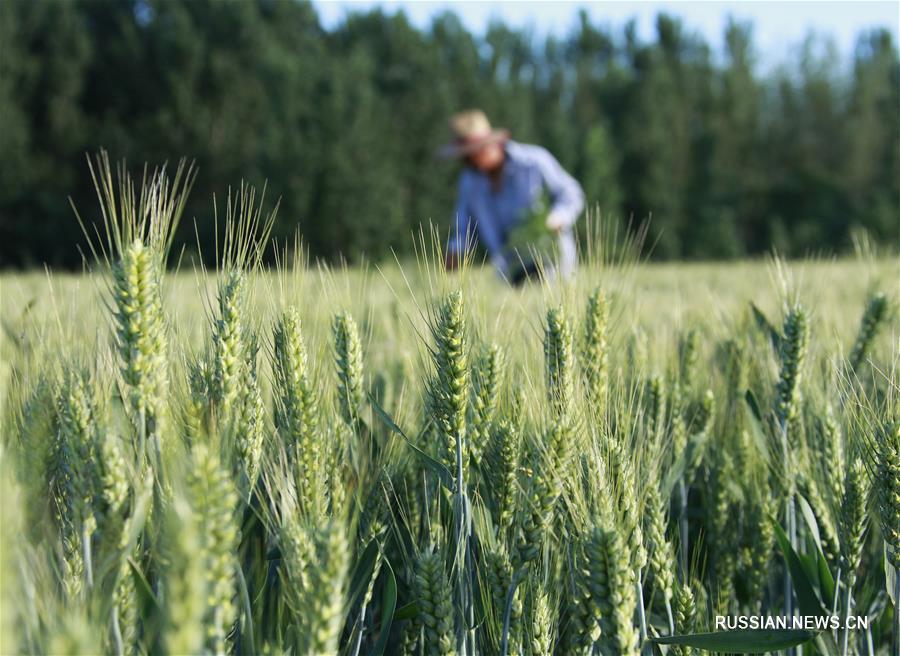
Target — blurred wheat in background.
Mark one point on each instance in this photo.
(311, 460)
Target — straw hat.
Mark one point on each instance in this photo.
(472, 131)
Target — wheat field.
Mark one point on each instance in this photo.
(395, 459)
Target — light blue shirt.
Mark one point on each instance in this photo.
(490, 215)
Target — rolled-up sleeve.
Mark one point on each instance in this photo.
(566, 195)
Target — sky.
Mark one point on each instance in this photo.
(779, 27)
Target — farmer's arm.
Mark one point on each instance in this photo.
(566, 195)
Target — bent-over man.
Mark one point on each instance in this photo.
(503, 185)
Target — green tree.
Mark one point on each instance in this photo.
(44, 53)
(657, 133)
(807, 144)
(872, 172)
(600, 172)
(730, 180)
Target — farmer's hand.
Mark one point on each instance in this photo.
(556, 222)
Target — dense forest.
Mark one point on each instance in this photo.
(730, 158)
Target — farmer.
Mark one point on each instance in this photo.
(502, 187)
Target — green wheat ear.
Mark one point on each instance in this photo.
(612, 588)
(250, 428)
(503, 458)
(185, 580)
(487, 382)
(543, 490)
(37, 428)
(886, 477)
(853, 519)
(230, 344)
(721, 510)
(677, 426)
(793, 354)
(872, 319)
(662, 556)
(233, 383)
(197, 409)
(73, 481)
(296, 406)
(498, 575)
(141, 333)
(762, 508)
(559, 361)
(452, 377)
(687, 358)
(656, 406)
(542, 637)
(116, 516)
(832, 445)
(595, 358)
(582, 628)
(214, 500)
(324, 607)
(139, 229)
(436, 609)
(685, 616)
(627, 503)
(348, 359)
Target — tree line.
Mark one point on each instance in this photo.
(730, 160)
